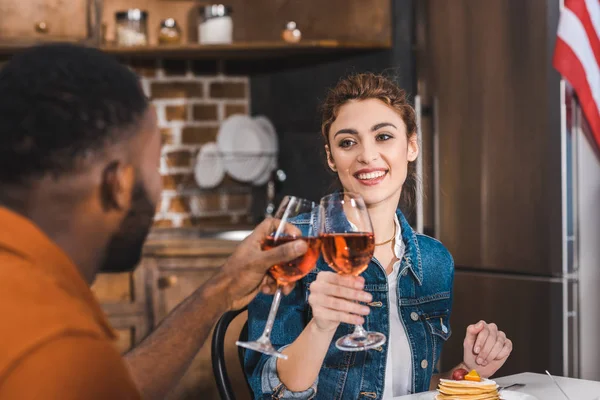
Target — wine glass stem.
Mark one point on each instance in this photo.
(266, 335)
(359, 331)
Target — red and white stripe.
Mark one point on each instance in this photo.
(577, 55)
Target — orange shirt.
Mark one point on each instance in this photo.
(55, 341)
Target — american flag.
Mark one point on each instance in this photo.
(577, 56)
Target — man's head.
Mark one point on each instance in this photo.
(79, 151)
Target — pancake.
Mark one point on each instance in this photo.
(467, 390)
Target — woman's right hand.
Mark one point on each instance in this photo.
(332, 299)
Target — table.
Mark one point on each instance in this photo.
(540, 386)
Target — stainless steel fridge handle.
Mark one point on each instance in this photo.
(419, 199)
(432, 112)
(436, 166)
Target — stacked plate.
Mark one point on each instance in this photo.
(272, 146)
(248, 148)
(209, 170)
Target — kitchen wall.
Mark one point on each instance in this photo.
(191, 99)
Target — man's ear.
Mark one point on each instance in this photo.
(116, 186)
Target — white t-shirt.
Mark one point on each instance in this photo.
(398, 370)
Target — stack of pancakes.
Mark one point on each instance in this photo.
(467, 390)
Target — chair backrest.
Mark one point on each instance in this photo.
(218, 354)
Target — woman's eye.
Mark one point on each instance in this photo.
(346, 143)
(384, 136)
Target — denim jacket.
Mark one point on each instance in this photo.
(424, 297)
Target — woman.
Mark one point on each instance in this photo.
(406, 292)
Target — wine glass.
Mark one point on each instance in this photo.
(347, 245)
(291, 209)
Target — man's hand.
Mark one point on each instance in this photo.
(160, 361)
(245, 271)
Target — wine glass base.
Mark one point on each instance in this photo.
(356, 342)
(265, 348)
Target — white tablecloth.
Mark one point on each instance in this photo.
(542, 387)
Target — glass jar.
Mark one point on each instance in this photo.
(131, 27)
(216, 25)
(169, 32)
(291, 33)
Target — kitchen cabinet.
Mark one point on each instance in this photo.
(43, 20)
(170, 270)
(124, 300)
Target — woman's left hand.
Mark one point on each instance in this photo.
(486, 348)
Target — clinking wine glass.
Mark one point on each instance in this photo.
(291, 209)
(347, 244)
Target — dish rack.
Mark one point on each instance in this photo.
(274, 175)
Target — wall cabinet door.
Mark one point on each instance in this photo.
(43, 19)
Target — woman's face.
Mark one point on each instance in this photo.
(369, 149)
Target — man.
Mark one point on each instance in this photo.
(79, 157)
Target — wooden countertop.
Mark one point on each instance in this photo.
(192, 243)
(189, 247)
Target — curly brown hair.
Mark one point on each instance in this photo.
(365, 86)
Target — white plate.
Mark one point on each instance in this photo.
(268, 127)
(273, 144)
(266, 174)
(209, 171)
(512, 395)
(504, 395)
(242, 142)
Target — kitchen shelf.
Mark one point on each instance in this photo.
(236, 50)
(246, 50)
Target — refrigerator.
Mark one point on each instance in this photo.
(510, 181)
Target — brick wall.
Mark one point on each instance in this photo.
(192, 98)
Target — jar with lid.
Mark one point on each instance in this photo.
(169, 32)
(291, 33)
(132, 27)
(215, 25)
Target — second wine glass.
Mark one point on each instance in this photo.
(292, 209)
(348, 244)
